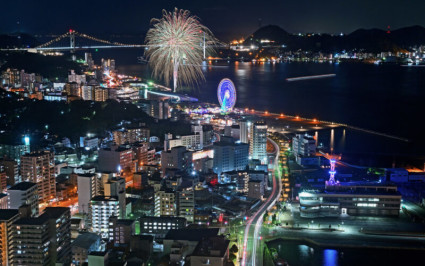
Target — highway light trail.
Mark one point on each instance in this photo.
(311, 77)
(257, 218)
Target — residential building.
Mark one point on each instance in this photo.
(131, 135)
(10, 167)
(14, 151)
(165, 204)
(101, 209)
(24, 194)
(7, 218)
(4, 201)
(186, 204)
(88, 188)
(39, 167)
(121, 230)
(59, 219)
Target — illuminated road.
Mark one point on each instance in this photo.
(297, 124)
(251, 253)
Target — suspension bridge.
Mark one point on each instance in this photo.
(73, 41)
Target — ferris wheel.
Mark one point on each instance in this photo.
(226, 94)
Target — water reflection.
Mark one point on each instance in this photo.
(330, 257)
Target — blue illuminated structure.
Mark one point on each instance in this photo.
(226, 94)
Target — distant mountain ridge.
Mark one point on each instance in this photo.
(371, 40)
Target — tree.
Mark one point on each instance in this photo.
(265, 217)
(234, 249)
(232, 257)
(274, 218)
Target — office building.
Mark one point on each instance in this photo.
(88, 188)
(176, 158)
(7, 218)
(230, 156)
(116, 159)
(304, 150)
(258, 143)
(165, 204)
(39, 167)
(102, 208)
(186, 204)
(244, 127)
(350, 199)
(159, 226)
(24, 194)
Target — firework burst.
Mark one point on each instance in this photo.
(176, 47)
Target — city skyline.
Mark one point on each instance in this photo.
(223, 17)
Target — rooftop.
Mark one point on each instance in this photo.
(85, 240)
(7, 214)
(23, 186)
(55, 212)
(191, 234)
(215, 246)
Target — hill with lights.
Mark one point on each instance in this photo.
(367, 40)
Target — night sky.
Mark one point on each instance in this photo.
(226, 18)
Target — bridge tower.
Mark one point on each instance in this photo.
(72, 40)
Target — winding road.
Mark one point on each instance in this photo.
(252, 253)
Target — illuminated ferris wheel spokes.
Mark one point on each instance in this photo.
(226, 94)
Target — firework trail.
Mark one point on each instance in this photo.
(176, 47)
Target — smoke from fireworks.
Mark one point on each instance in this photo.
(176, 47)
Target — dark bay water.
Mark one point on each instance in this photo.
(388, 99)
(298, 254)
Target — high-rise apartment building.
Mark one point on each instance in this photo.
(43, 240)
(7, 218)
(186, 204)
(101, 209)
(258, 143)
(165, 204)
(131, 135)
(39, 167)
(24, 194)
(88, 187)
